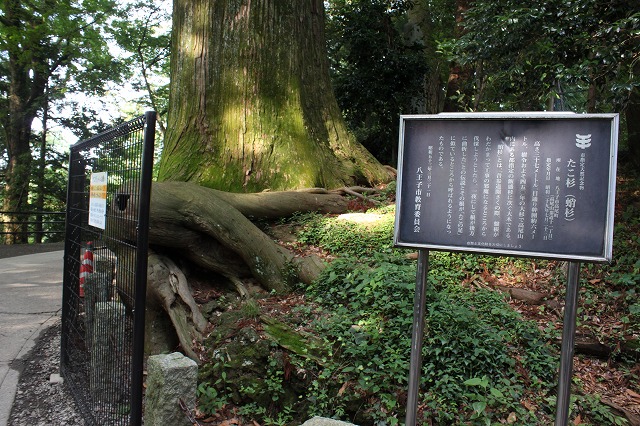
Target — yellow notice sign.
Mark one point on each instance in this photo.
(98, 200)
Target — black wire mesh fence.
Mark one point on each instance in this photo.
(105, 267)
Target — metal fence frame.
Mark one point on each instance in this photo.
(102, 360)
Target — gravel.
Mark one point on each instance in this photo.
(38, 401)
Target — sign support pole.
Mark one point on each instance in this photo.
(568, 343)
(417, 336)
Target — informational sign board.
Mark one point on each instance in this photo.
(98, 200)
(522, 184)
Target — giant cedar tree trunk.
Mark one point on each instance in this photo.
(251, 104)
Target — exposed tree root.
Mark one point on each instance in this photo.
(167, 286)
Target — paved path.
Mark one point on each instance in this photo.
(30, 301)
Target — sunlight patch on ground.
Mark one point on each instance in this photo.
(365, 219)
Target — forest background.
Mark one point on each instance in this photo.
(64, 64)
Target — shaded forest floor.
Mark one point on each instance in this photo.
(608, 330)
(606, 363)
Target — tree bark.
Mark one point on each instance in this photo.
(203, 213)
(168, 287)
(251, 104)
(28, 67)
(632, 115)
(425, 21)
(278, 204)
(20, 111)
(459, 75)
(211, 228)
(528, 296)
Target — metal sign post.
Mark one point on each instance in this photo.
(568, 340)
(514, 184)
(417, 337)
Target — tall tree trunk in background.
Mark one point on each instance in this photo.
(40, 178)
(632, 116)
(16, 190)
(459, 75)
(251, 105)
(427, 23)
(25, 89)
(17, 127)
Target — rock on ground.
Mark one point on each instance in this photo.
(322, 421)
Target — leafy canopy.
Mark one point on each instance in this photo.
(522, 52)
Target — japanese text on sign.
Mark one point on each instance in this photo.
(540, 186)
(98, 200)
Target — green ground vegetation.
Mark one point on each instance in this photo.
(340, 346)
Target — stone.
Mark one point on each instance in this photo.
(323, 421)
(106, 376)
(55, 379)
(97, 288)
(159, 334)
(171, 378)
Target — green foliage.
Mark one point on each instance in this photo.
(483, 364)
(522, 54)
(48, 52)
(612, 290)
(593, 409)
(250, 370)
(345, 237)
(146, 38)
(369, 321)
(209, 399)
(250, 309)
(481, 359)
(376, 72)
(468, 335)
(63, 44)
(486, 397)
